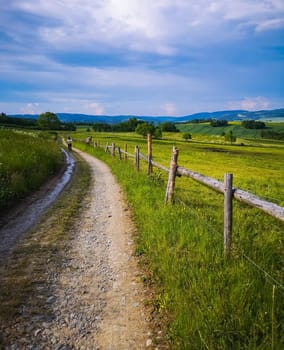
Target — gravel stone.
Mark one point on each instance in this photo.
(91, 295)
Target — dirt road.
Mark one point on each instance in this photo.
(98, 298)
(106, 275)
(14, 223)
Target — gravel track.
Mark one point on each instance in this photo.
(97, 299)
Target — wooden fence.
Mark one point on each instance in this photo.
(226, 187)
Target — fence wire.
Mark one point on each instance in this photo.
(266, 274)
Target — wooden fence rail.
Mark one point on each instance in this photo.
(226, 187)
(240, 195)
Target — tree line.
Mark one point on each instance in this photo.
(247, 124)
(50, 121)
(139, 126)
(45, 121)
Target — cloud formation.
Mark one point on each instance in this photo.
(133, 56)
(251, 104)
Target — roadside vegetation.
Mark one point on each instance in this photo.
(25, 282)
(204, 300)
(27, 160)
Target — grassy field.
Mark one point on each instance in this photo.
(205, 301)
(27, 160)
(257, 167)
(235, 127)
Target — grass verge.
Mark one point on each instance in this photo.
(24, 276)
(27, 160)
(206, 301)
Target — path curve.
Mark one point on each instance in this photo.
(99, 301)
(22, 217)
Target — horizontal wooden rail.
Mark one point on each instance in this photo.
(268, 207)
(159, 166)
(143, 157)
(127, 153)
(212, 183)
(240, 195)
(121, 150)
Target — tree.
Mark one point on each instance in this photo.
(149, 128)
(127, 126)
(187, 136)
(170, 127)
(144, 129)
(216, 123)
(230, 137)
(157, 133)
(102, 127)
(49, 121)
(21, 122)
(3, 117)
(68, 126)
(252, 124)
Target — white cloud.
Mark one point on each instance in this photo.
(169, 109)
(31, 108)
(250, 103)
(274, 23)
(145, 25)
(95, 108)
(196, 75)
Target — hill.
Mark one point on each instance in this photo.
(265, 115)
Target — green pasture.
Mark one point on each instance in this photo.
(258, 168)
(235, 127)
(204, 300)
(27, 160)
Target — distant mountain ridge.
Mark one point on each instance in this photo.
(229, 115)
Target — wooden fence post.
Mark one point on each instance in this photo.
(113, 149)
(106, 149)
(149, 141)
(119, 152)
(137, 157)
(125, 151)
(172, 177)
(228, 213)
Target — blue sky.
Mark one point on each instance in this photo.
(141, 57)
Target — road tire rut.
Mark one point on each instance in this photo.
(97, 298)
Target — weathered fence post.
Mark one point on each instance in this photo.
(106, 149)
(119, 152)
(172, 177)
(228, 213)
(137, 157)
(149, 141)
(125, 151)
(113, 149)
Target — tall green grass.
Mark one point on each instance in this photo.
(256, 167)
(209, 302)
(26, 161)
